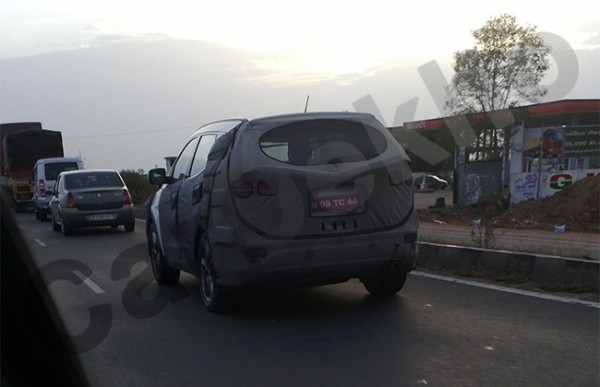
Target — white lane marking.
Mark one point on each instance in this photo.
(40, 242)
(527, 293)
(88, 282)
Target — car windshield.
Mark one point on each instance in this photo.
(323, 142)
(92, 180)
(53, 169)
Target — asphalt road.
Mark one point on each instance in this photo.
(436, 332)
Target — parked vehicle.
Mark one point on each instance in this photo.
(431, 182)
(90, 198)
(45, 173)
(23, 143)
(301, 200)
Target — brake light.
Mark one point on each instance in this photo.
(71, 201)
(242, 188)
(264, 188)
(127, 197)
(42, 185)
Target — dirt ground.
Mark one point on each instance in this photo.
(576, 206)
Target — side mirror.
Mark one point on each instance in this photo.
(157, 176)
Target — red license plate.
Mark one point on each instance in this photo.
(333, 204)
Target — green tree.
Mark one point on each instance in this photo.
(502, 71)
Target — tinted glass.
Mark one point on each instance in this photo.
(181, 168)
(319, 142)
(92, 180)
(206, 143)
(52, 170)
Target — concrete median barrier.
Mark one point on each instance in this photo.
(550, 272)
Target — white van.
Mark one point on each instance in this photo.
(45, 173)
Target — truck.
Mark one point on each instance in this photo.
(23, 143)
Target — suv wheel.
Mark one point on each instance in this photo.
(163, 274)
(389, 281)
(214, 296)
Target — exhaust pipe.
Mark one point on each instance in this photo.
(393, 267)
(397, 266)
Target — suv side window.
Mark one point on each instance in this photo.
(206, 143)
(181, 168)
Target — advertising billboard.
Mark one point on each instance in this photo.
(532, 185)
(561, 141)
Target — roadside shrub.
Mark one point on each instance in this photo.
(138, 184)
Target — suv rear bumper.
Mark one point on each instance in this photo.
(315, 261)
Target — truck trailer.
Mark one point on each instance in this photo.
(23, 143)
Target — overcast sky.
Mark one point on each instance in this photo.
(128, 81)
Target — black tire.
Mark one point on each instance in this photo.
(42, 216)
(130, 227)
(66, 229)
(163, 274)
(385, 283)
(214, 296)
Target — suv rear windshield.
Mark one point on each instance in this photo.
(319, 142)
(51, 170)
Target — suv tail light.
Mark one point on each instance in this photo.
(42, 186)
(264, 188)
(244, 188)
(71, 201)
(127, 197)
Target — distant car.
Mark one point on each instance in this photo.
(90, 198)
(45, 173)
(431, 182)
(294, 200)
